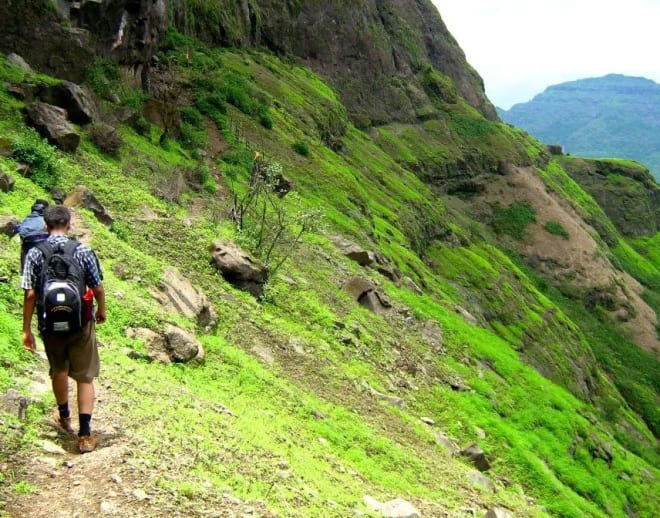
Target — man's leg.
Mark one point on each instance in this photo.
(60, 382)
(85, 406)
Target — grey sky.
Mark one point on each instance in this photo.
(519, 47)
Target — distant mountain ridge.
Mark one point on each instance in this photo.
(609, 116)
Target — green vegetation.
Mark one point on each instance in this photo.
(513, 220)
(484, 344)
(556, 228)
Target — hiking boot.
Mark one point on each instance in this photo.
(64, 423)
(86, 443)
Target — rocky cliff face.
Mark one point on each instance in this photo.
(628, 194)
(374, 53)
(377, 53)
(62, 38)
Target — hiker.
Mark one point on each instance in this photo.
(33, 229)
(70, 344)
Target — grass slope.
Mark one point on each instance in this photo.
(306, 434)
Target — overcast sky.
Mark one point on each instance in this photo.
(520, 47)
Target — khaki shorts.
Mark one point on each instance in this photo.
(77, 353)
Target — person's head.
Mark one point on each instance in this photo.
(39, 206)
(57, 217)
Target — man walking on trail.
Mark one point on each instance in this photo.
(71, 352)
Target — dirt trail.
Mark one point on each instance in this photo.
(68, 483)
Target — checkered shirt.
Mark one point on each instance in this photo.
(83, 255)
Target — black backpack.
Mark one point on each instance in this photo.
(62, 288)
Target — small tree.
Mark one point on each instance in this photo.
(270, 222)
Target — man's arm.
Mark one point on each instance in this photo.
(99, 295)
(28, 309)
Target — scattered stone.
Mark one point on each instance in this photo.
(367, 294)
(481, 481)
(140, 494)
(52, 448)
(481, 434)
(6, 182)
(58, 194)
(399, 508)
(83, 197)
(154, 343)
(447, 443)
(115, 478)
(47, 461)
(467, 316)
(428, 421)
(7, 224)
(177, 294)
(410, 284)
(391, 400)
(181, 346)
(499, 513)
(51, 122)
(108, 508)
(67, 464)
(391, 273)
(18, 61)
(239, 268)
(477, 456)
(353, 251)
(432, 335)
(264, 353)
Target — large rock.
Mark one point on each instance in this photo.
(173, 345)
(83, 197)
(178, 295)
(154, 343)
(6, 182)
(76, 100)
(477, 456)
(17, 60)
(397, 508)
(7, 224)
(51, 122)
(239, 268)
(367, 294)
(182, 346)
(354, 252)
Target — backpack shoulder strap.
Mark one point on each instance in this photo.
(70, 247)
(45, 248)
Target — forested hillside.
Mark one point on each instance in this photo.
(433, 315)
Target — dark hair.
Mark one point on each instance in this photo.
(57, 216)
(39, 206)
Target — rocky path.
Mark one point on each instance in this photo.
(110, 481)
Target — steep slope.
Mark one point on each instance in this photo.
(306, 400)
(610, 116)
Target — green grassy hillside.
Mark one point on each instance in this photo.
(287, 410)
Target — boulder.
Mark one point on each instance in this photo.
(6, 182)
(397, 508)
(7, 224)
(51, 122)
(154, 343)
(354, 252)
(178, 295)
(173, 345)
(499, 513)
(182, 346)
(18, 61)
(238, 267)
(76, 100)
(477, 456)
(83, 197)
(390, 272)
(367, 294)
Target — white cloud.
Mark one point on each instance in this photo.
(521, 47)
